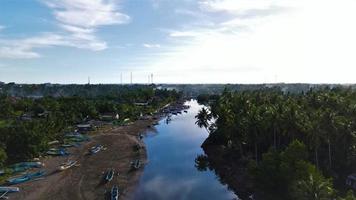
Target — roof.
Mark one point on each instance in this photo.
(352, 176)
(84, 125)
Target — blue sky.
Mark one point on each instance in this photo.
(179, 41)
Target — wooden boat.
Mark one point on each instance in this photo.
(26, 177)
(96, 149)
(185, 111)
(9, 189)
(67, 165)
(109, 175)
(115, 193)
(57, 152)
(5, 190)
(136, 164)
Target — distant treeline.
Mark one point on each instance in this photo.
(288, 141)
(27, 124)
(197, 89)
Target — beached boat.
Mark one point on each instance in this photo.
(95, 149)
(136, 164)
(109, 175)
(26, 177)
(57, 152)
(5, 190)
(67, 165)
(9, 189)
(115, 193)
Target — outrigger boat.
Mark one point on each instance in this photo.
(67, 165)
(26, 177)
(57, 152)
(115, 193)
(5, 190)
(95, 149)
(136, 164)
(23, 166)
(109, 175)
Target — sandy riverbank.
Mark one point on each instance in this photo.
(86, 180)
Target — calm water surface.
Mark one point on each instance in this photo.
(170, 172)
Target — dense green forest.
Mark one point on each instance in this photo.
(27, 124)
(295, 146)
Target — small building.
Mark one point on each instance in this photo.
(26, 116)
(109, 116)
(141, 104)
(84, 127)
(351, 181)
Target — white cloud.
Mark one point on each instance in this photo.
(25, 48)
(151, 45)
(79, 19)
(294, 45)
(88, 14)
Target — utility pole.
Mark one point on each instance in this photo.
(88, 80)
(131, 78)
(152, 78)
(121, 78)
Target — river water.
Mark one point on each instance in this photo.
(171, 172)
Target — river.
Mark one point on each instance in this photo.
(170, 172)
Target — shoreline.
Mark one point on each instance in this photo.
(86, 180)
(231, 173)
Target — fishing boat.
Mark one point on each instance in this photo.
(5, 190)
(67, 165)
(140, 136)
(95, 149)
(23, 166)
(26, 177)
(115, 193)
(109, 175)
(9, 189)
(136, 164)
(57, 152)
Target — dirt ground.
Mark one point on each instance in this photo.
(85, 181)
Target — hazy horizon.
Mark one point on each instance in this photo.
(178, 41)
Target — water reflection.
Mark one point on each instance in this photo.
(202, 162)
(173, 172)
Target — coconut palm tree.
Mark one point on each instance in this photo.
(203, 119)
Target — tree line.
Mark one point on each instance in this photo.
(290, 142)
(28, 124)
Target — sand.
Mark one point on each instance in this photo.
(85, 181)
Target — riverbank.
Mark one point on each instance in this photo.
(85, 181)
(230, 172)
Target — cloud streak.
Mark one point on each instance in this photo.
(79, 20)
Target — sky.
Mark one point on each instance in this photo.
(178, 41)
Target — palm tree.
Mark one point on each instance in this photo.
(203, 119)
(315, 187)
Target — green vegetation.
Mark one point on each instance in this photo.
(292, 141)
(27, 124)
